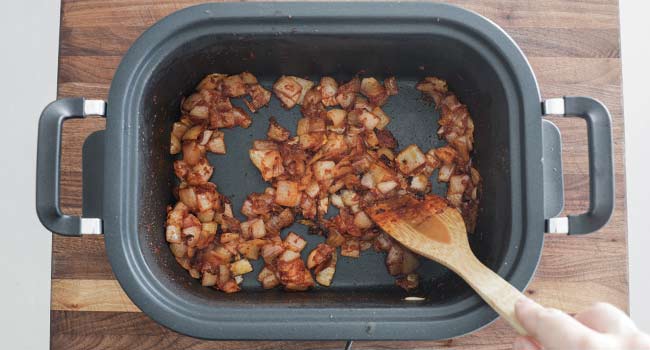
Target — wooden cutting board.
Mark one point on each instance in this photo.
(574, 50)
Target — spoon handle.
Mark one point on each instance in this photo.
(498, 293)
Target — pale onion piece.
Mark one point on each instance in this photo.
(206, 216)
(200, 112)
(325, 276)
(271, 251)
(277, 132)
(227, 210)
(384, 119)
(345, 99)
(178, 249)
(355, 209)
(224, 274)
(432, 160)
(179, 129)
(249, 249)
(233, 86)
(216, 144)
(238, 279)
(264, 145)
(289, 255)
(312, 141)
(173, 234)
(337, 118)
(386, 186)
(365, 245)
(336, 186)
(446, 154)
(195, 273)
(391, 86)
(383, 242)
(306, 86)
(371, 140)
(268, 278)
(208, 279)
(194, 231)
(458, 184)
(394, 260)
(324, 170)
(362, 221)
(367, 181)
(319, 255)
(419, 183)
(260, 97)
(268, 162)
(211, 81)
(323, 205)
(431, 85)
(303, 126)
(200, 173)
(287, 193)
(336, 200)
(455, 199)
(476, 177)
(328, 88)
(334, 238)
(410, 159)
(475, 193)
(386, 153)
(175, 217)
(316, 125)
(204, 201)
(228, 237)
(381, 173)
(288, 90)
(188, 197)
(193, 133)
(368, 120)
(350, 248)
(184, 262)
(248, 78)
(204, 137)
(240, 267)
(174, 145)
(191, 101)
(312, 189)
(370, 86)
(350, 198)
(258, 229)
(374, 90)
(445, 172)
(295, 242)
(361, 102)
(410, 262)
(192, 152)
(209, 228)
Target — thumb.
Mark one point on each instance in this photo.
(555, 329)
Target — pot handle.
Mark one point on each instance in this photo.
(48, 164)
(601, 164)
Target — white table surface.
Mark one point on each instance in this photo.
(28, 71)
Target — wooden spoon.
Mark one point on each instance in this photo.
(433, 229)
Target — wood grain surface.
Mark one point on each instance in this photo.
(574, 49)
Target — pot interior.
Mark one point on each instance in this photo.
(362, 282)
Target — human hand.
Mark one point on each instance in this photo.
(602, 326)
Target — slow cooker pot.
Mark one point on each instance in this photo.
(128, 172)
